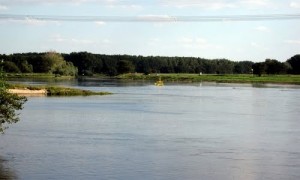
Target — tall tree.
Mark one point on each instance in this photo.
(295, 63)
(243, 67)
(125, 66)
(275, 67)
(258, 68)
(54, 63)
(9, 104)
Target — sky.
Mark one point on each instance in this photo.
(152, 28)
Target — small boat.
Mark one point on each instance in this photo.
(159, 82)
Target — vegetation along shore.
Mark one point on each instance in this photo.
(229, 78)
(186, 69)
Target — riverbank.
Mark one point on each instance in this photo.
(228, 78)
(25, 90)
(37, 75)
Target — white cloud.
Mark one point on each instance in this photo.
(259, 46)
(34, 22)
(135, 7)
(207, 4)
(73, 41)
(262, 29)
(201, 41)
(3, 8)
(156, 18)
(186, 40)
(221, 5)
(218, 4)
(58, 38)
(106, 41)
(154, 42)
(110, 3)
(293, 42)
(295, 4)
(81, 41)
(48, 1)
(254, 44)
(100, 23)
(256, 3)
(29, 21)
(196, 43)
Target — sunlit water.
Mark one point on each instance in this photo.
(179, 131)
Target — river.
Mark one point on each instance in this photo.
(178, 131)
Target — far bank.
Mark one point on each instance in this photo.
(172, 77)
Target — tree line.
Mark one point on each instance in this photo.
(49, 62)
(84, 63)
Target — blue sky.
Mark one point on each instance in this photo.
(234, 40)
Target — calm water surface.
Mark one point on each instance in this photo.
(179, 131)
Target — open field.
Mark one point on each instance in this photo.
(234, 78)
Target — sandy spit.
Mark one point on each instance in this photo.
(28, 92)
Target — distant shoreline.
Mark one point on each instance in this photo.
(180, 77)
(219, 78)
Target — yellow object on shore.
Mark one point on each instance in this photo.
(159, 82)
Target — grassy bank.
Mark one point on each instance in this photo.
(62, 91)
(58, 91)
(228, 78)
(36, 75)
(278, 79)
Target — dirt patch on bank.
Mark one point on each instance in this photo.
(28, 92)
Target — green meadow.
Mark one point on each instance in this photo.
(227, 78)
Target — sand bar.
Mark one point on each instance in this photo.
(28, 92)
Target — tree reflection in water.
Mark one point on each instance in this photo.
(6, 172)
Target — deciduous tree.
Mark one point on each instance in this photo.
(9, 105)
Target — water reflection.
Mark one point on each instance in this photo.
(6, 173)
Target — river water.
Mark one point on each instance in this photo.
(178, 131)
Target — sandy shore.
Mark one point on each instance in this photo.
(28, 92)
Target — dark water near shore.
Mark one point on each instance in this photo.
(179, 131)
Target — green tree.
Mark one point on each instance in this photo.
(57, 65)
(295, 64)
(181, 67)
(110, 66)
(9, 104)
(85, 62)
(243, 67)
(10, 67)
(224, 66)
(275, 67)
(259, 68)
(25, 67)
(125, 66)
(143, 66)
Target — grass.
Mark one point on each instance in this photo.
(36, 75)
(62, 91)
(58, 91)
(228, 78)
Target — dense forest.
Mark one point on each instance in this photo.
(87, 64)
